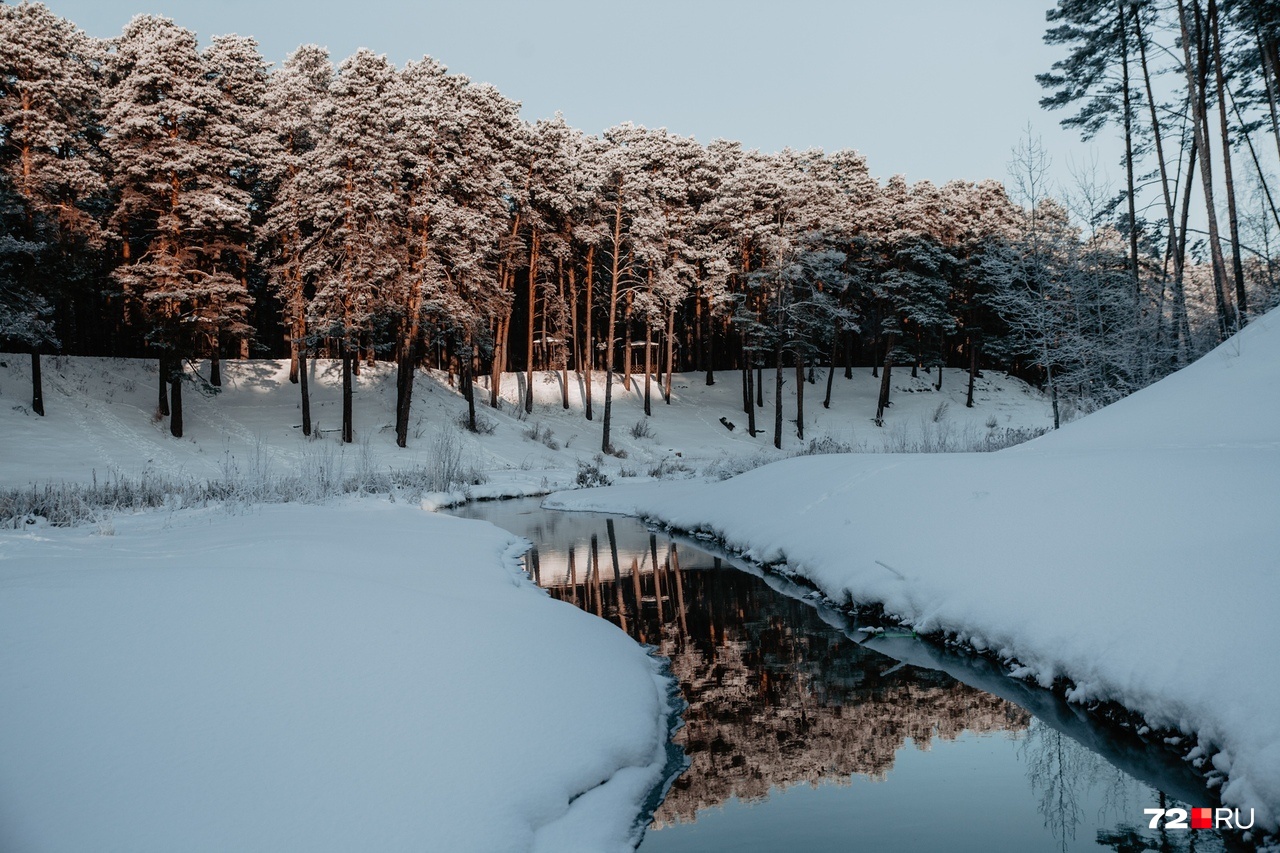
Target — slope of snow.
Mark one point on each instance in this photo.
(1135, 552)
(100, 419)
(361, 676)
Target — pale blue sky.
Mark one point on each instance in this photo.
(933, 89)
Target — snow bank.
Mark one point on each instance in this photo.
(1134, 552)
(357, 677)
(101, 420)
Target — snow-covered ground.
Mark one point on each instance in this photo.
(254, 678)
(100, 420)
(1136, 552)
(357, 676)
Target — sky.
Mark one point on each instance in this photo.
(933, 89)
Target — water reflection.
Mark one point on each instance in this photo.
(779, 694)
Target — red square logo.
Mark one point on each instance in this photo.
(1202, 818)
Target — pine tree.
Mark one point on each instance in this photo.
(49, 87)
(181, 218)
(355, 254)
(291, 106)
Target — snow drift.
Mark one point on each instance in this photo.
(1135, 552)
(354, 677)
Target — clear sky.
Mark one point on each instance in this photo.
(934, 89)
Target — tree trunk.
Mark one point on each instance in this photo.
(533, 304)
(973, 372)
(348, 432)
(1128, 157)
(614, 280)
(848, 355)
(175, 380)
(1197, 77)
(942, 362)
(404, 391)
(590, 354)
(294, 366)
(306, 391)
(708, 346)
(777, 391)
(566, 334)
(1271, 77)
(799, 396)
(1228, 182)
(1181, 318)
(883, 402)
(215, 370)
(831, 371)
(468, 365)
(760, 384)
(626, 343)
(162, 402)
(648, 366)
(499, 361)
(671, 353)
(37, 385)
(751, 408)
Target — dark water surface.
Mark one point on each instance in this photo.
(802, 734)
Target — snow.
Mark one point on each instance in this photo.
(1134, 552)
(100, 421)
(360, 675)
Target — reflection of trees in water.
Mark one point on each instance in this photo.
(1061, 773)
(1066, 776)
(776, 696)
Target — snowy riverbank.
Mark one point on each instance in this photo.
(200, 680)
(1133, 552)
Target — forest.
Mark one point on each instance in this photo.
(163, 200)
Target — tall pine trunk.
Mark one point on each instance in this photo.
(499, 360)
(883, 402)
(831, 371)
(533, 304)
(973, 372)
(648, 367)
(615, 278)
(175, 382)
(404, 390)
(304, 388)
(469, 380)
(589, 356)
(37, 385)
(162, 401)
(799, 396)
(777, 391)
(1128, 158)
(1171, 244)
(1182, 318)
(626, 343)
(708, 335)
(1228, 182)
(671, 353)
(1197, 77)
(348, 431)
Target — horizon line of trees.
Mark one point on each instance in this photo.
(162, 200)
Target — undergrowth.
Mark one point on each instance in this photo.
(322, 471)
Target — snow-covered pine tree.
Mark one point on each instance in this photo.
(239, 73)
(180, 216)
(50, 162)
(293, 130)
(355, 252)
